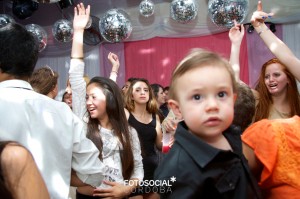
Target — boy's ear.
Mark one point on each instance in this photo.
(234, 97)
(174, 105)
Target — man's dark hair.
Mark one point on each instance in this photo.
(18, 50)
(244, 107)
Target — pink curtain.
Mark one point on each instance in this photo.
(258, 53)
(155, 59)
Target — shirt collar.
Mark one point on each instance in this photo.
(200, 151)
(15, 84)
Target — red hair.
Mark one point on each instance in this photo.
(265, 98)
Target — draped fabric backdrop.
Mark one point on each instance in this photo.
(155, 59)
(291, 37)
(118, 49)
(61, 65)
(258, 54)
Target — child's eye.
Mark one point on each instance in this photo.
(197, 97)
(86, 97)
(222, 94)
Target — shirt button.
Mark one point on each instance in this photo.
(231, 185)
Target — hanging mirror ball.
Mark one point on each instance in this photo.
(183, 11)
(146, 8)
(224, 12)
(39, 33)
(5, 19)
(62, 30)
(89, 23)
(115, 26)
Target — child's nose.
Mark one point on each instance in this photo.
(211, 104)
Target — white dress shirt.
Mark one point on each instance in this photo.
(52, 133)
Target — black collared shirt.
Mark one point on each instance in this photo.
(202, 171)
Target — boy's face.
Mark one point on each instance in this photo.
(205, 101)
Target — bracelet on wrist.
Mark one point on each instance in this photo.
(114, 72)
(77, 57)
(263, 30)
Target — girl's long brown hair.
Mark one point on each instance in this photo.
(118, 120)
(151, 104)
(265, 98)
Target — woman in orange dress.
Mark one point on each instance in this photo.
(272, 148)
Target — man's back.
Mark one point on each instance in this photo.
(50, 130)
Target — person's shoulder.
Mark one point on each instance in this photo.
(47, 104)
(176, 155)
(14, 154)
(58, 105)
(168, 166)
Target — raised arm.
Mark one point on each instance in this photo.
(236, 35)
(78, 85)
(81, 18)
(114, 61)
(276, 46)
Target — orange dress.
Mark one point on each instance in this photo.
(276, 143)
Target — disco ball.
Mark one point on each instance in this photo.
(46, 1)
(23, 9)
(62, 30)
(183, 11)
(89, 23)
(224, 12)
(5, 19)
(39, 33)
(115, 26)
(146, 8)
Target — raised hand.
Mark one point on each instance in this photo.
(81, 16)
(113, 59)
(236, 33)
(259, 16)
(116, 191)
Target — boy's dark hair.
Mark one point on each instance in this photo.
(131, 79)
(155, 88)
(18, 50)
(244, 107)
(166, 88)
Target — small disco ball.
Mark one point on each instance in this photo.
(115, 26)
(62, 30)
(146, 8)
(39, 33)
(5, 19)
(224, 12)
(183, 11)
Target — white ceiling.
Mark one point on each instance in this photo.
(160, 24)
